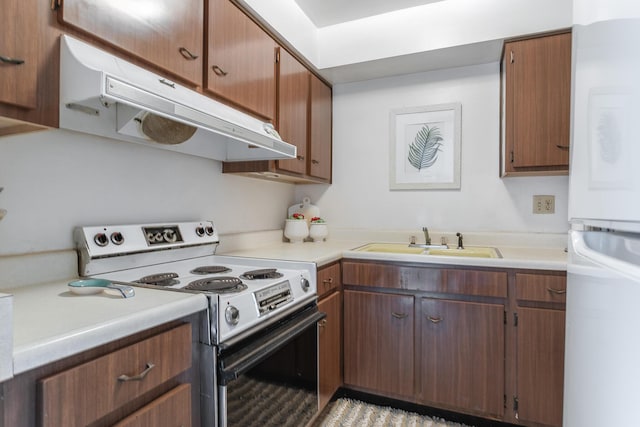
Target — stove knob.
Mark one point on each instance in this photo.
(170, 236)
(117, 238)
(200, 231)
(101, 239)
(305, 284)
(209, 230)
(232, 315)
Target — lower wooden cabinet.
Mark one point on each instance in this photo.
(539, 323)
(379, 337)
(150, 378)
(330, 348)
(171, 409)
(461, 356)
(486, 342)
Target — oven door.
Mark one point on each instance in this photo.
(271, 378)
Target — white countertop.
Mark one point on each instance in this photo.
(322, 253)
(51, 323)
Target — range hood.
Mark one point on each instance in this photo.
(104, 95)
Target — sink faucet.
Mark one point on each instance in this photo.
(460, 245)
(427, 239)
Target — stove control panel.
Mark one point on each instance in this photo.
(162, 235)
(268, 299)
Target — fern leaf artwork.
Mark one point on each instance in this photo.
(423, 151)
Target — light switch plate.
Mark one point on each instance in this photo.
(544, 204)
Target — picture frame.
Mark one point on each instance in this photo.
(424, 147)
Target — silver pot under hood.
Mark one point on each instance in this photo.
(104, 95)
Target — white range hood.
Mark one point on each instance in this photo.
(104, 95)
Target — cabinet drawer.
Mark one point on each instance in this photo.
(171, 409)
(111, 379)
(391, 276)
(329, 279)
(471, 282)
(541, 287)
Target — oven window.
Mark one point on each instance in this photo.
(279, 391)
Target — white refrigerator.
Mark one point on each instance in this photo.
(602, 352)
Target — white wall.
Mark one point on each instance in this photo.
(360, 196)
(56, 180)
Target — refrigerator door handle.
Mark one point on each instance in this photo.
(582, 248)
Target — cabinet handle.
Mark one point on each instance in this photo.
(219, 71)
(557, 291)
(168, 83)
(300, 157)
(186, 54)
(434, 319)
(399, 315)
(138, 377)
(14, 61)
(512, 59)
(562, 147)
(322, 323)
(315, 162)
(328, 281)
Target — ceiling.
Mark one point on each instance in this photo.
(330, 12)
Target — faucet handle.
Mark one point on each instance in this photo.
(427, 239)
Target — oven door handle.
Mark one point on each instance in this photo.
(233, 365)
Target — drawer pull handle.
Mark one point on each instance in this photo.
(219, 71)
(328, 281)
(557, 291)
(322, 323)
(14, 61)
(562, 147)
(138, 377)
(186, 54)
(315, 162)
(434, 319)
(399, 315)
(167, 83)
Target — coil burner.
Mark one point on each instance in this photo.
(210, 269)
(265, 273)
(160, 279)
(225, 284)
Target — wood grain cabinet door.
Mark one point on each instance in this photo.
(165, 33)
(540, 365)
(242, 60)
(537, 102)
(19, 53)
(293, 96)
(378, 342)
(461, 355)
(171, 409)
(320, 130)
(330, 348)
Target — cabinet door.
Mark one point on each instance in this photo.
(540, 365)
(462, 355)
(320, 140)
(538, 94)
(330, 367)
(241, 65)
(293, 96)
(19, 53)
(171, 409)
(165, 33)
(378, 342)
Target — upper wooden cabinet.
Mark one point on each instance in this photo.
(304, 120)
(241, 65)
(164, 33)
(293, 99)
(320, 130)
(18, 53)
(537, 93)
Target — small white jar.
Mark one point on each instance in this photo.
(296, 230)
(318, 231)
